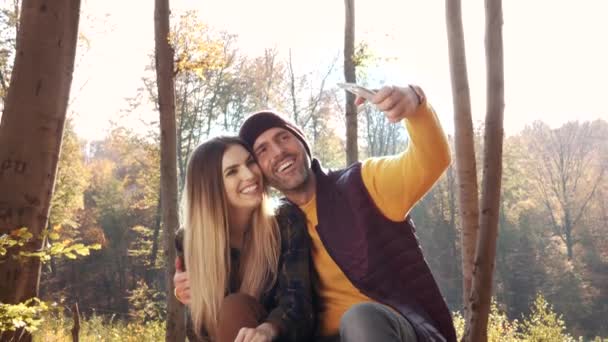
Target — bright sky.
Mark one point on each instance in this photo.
(556, 53)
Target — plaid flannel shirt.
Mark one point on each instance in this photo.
(290, 302)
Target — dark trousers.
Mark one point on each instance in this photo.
(370, 322)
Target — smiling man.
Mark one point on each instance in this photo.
(373, 282)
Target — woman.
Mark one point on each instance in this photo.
(248, 270)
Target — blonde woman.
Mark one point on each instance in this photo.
(248, 270)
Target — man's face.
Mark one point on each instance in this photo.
(283, 159)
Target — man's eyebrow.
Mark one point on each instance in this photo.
(263, 144)
(282, 133)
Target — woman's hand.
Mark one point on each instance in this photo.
(265, 332)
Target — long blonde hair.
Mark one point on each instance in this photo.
(207, 237)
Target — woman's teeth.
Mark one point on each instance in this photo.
(250, 189)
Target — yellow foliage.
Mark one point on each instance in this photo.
(541, 325)
(26, 315)
(67, 248)
(56, 327)
(196, 49)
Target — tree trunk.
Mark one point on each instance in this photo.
(168, 141)
(76, 327)
(568, 233)
(492, 173)
(466, 168)
(352, 153)
(452, 233)
(31, 131)
(153, 255)
(292, 91)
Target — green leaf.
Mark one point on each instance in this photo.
(56, 249)
(22, 233)
(77, 246)
(95, 246)
(32, 254)
(18, 323)
(70, 255)
(84, 251)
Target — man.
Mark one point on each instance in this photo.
(373, 281)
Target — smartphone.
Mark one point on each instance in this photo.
(358, 90)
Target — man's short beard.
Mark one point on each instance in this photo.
(298, 188)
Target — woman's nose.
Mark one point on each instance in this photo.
(248, 173)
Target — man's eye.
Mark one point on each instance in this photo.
(250, 162)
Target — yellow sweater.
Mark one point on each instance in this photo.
(395, 183)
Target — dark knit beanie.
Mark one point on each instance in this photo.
(260, 122)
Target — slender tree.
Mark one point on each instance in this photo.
(485, 254)
(382, 137)
(466, 168)
(31, 131)
(168, 141)
(307, 97)
(352, 154)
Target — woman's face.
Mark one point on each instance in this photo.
(242, 178)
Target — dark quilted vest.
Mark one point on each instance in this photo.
(380, 257)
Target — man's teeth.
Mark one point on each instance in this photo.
(250, 188)
(285, 166)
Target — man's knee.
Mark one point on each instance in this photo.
(374, 322)
(360, 322)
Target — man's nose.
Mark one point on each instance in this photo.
(275, 151)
